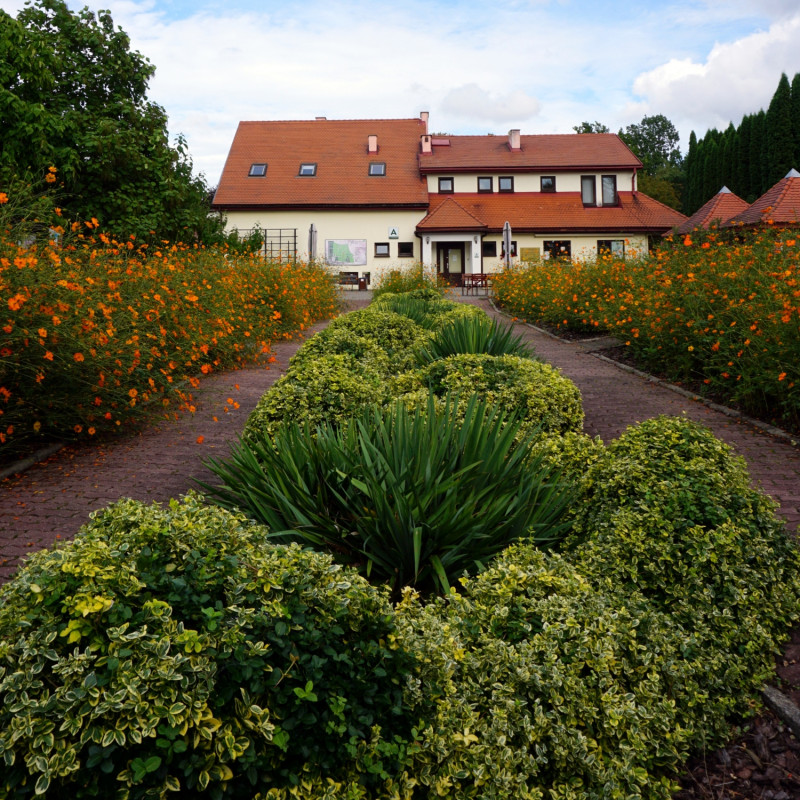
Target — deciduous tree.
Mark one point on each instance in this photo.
(71, 85)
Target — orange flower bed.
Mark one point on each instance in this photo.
(97, 334)
(722, 314)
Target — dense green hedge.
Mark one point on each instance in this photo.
(174, 650)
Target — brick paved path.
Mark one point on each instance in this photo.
(52, 500)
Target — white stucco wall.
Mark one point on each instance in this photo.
(372, 226)
(531, 181)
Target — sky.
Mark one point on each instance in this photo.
(542, 66)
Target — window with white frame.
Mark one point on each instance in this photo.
(609, 183)
(588, 190)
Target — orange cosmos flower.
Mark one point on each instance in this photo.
(48, 355)
(201, 439)
(78, 357)
(3, 198)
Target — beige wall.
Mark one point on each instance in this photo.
(583, 247)
(373, 226)
(531, 182)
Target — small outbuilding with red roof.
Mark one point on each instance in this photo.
(779, 205)
(718, 210)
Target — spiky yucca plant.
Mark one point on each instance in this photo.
(412, 498)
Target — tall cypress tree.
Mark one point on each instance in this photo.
(756, 148)
(780, 136)
(742, 183)
(796, 119)
(711, 184)
(689, 167)
(728, 152)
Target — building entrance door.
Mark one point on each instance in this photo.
(451, 261)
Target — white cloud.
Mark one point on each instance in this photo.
(736, 78)
(472, 102)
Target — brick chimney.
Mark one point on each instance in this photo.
(372, 143)
(425, 141)
(513, 139)
(423, 115)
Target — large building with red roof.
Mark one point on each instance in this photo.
(371, 194)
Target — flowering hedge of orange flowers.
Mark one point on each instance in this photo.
(722, 313)
(96, 333)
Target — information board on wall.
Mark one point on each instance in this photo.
(346, 252)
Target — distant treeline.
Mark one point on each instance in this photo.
(748, 159)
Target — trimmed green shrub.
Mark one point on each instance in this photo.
(670, 514)
(474, 334)
(340, 341)
(395, 334)
(175, 650)
(414, 499)
(330, 388)
(534, 685)
(431, 313)
(545, 398)
(416, 278)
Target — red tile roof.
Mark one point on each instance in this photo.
(720, 208)
(339, 148)
(563, 151)
(542, 212)
(781, 204)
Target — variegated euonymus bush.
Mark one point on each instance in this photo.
(533, 684)
(329, 388)
(174, 652)
(545, 399)
(431, 313)
(670, 514)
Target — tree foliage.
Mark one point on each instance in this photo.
(73, 95)
(655, 142)
(750, 158)
(591, 127)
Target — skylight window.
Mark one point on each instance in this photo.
(308, 170)
(377, 168)
(257, 170)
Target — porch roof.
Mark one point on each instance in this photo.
(543, 212)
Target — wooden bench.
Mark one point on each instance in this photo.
(473, 283)
(348, 279)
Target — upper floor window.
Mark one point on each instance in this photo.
(505, 183)
(258, 170)
(548, 183)
(485, 184)
(446, 185)
(307, 170)
(377, 168)
(610, 197)
(588, 190)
